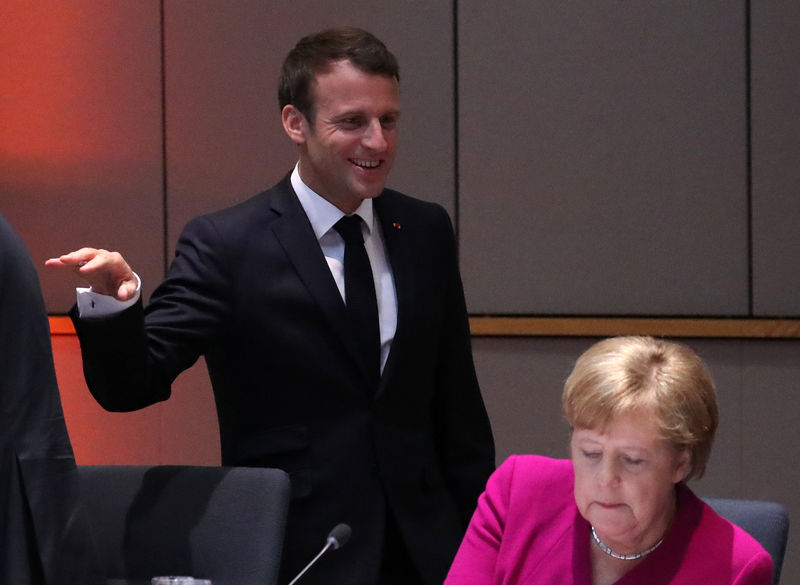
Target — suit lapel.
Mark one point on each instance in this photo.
(402, 264)
(294, 232)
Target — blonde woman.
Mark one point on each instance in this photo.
(643, 414)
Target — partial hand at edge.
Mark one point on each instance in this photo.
(106, 272)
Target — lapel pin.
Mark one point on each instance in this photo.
(396, 226)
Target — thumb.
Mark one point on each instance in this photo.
(127, 289)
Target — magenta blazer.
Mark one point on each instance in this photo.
(527, 531)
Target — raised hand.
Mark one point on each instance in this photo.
(106, 272)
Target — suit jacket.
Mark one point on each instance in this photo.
(250, 290)
(43, 539)
(527, 531)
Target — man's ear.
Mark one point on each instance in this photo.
(294, 123)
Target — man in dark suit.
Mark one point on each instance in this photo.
(43, 539)
(398, 445)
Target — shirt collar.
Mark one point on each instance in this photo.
(322, 213)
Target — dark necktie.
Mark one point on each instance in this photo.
(359, 292)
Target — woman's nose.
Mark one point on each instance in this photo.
(607, 474)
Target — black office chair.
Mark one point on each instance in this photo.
(225, 524)
(767, 522)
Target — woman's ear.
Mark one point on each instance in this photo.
(294, 124)
(683, 465)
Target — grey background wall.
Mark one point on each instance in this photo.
(629, 159)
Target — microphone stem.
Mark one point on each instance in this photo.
(314, 560)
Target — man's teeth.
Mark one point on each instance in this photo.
(369, 164)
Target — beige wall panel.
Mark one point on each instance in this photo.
(775, 42)
(223, 126)
(603, 157)
(771, 434)
(180, 431)
(80, 138)
(521, 381)
(225, 141)
(189, 427)
(98, 436)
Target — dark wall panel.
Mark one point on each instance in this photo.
(80, 138)
(776, 152)
(603, 157)
(225, 141)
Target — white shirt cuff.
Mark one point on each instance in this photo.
(92, 305)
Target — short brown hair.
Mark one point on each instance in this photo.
(314, 54)
(620, 374)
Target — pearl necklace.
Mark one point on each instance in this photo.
(631, 557)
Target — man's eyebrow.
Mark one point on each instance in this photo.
(348, 114)
(359, 113)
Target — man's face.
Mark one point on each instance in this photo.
(348, 150)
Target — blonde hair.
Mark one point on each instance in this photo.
(621, 374)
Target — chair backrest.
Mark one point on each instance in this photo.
(767, 522)
(220, 523)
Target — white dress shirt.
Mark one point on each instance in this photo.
(323, 215)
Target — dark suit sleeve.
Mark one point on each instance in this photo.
(131, 359)
(465, 436)
(115, 361)
(43, 538)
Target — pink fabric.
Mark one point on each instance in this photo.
(527, 531)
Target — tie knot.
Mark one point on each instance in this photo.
(349, 227)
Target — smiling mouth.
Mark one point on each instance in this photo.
(366, 164)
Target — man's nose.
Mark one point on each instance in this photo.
(374, 136)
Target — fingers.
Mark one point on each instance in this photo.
(89, 260)
(77, 258)
(106, 272)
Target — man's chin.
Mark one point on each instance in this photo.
(370, 185)
(370, 191)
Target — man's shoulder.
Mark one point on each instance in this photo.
(276, 196)
(397, 198)
(406, 209)
(273, 202)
